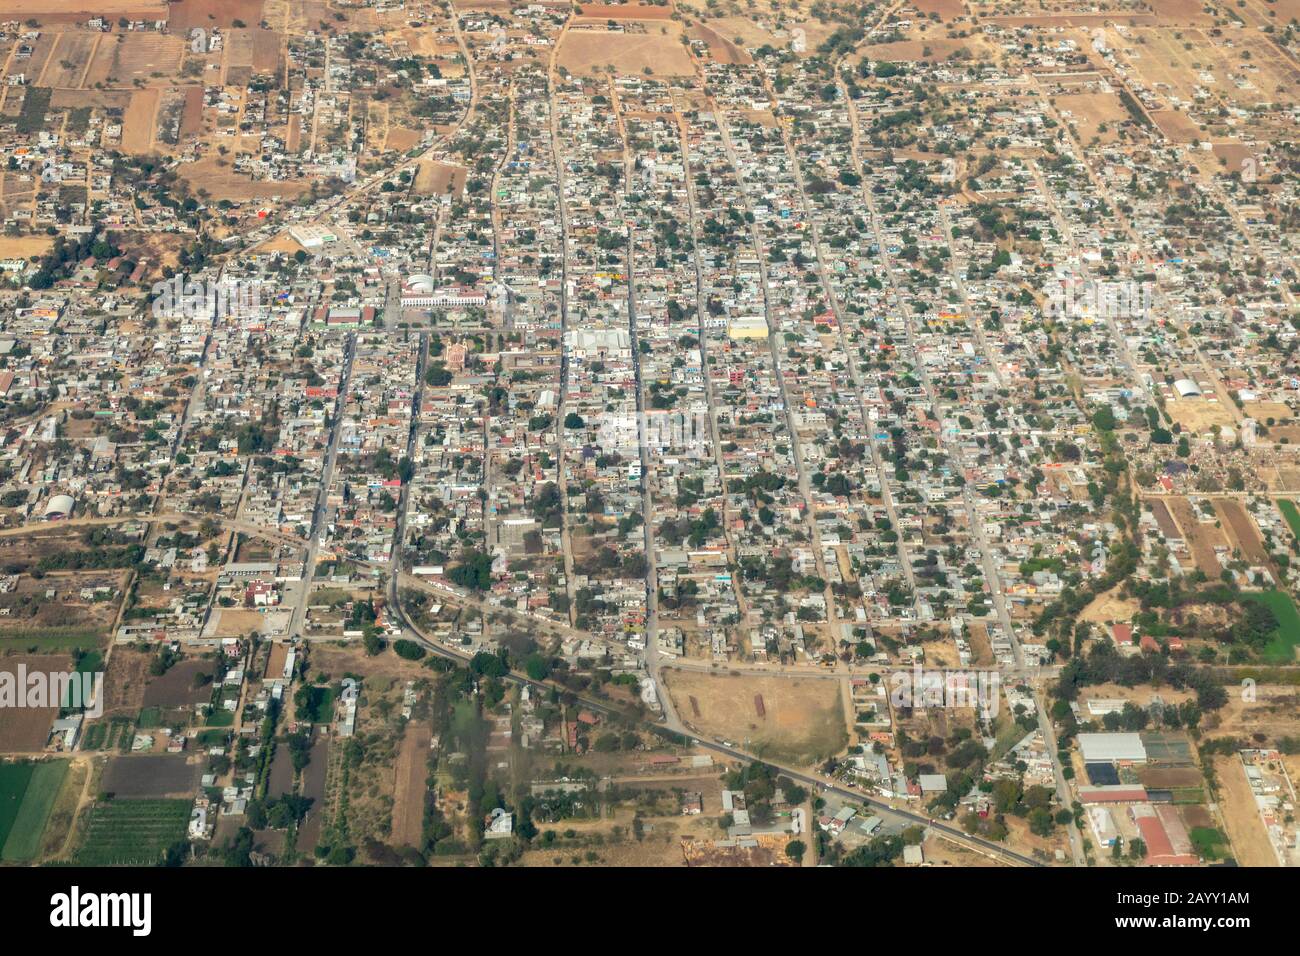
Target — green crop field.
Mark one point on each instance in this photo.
(220, 717)
(1281, 649)
(29, 825)
(108, 735)
(318, 705)
(14, 778)
(48, 640)
(132, 832)
(1291, 514)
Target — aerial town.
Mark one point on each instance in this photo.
(790, 433)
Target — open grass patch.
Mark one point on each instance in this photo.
(1281, 647)
(315, 704)
(47, 640)
(1208, 842)
(220, 717)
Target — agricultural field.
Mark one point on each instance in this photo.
(1292, 515)
(123, 58)
(24, 840)
(802, 719)
(1281, 649)
(131, 832)
(14, 780)
(151, 775)
(26, 729)
(315, 778)
(1240, 529)
(110, 733)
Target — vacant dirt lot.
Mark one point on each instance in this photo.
(138, 123)
(947, 9)
(234, 622)
(187, 14)
(224, 183)
(1275, 712)
(1110, 608)
(720, 48)
(1201, 539)
(411, 775)
(433, 178)
(589, 51)
(125, 681)
(1177, 125)
(1245, 829)
(1090, 111)
(803, 718)
(624, 11)
(933, 50)
(1198, 415)
(941, 852)
(337, 661)
(24, 246)
(179, 687)
(68, 62)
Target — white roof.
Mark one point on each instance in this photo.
(1106, 747)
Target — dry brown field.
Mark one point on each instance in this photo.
(411, 775)
(25, 729)
(589, 51)
(1250, 844)
(803, 721)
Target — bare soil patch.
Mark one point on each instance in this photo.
(1250, 845)
(151, 775)
(25, 729)
(803, 717)
(412, 773)
(179, 687)
(588, 51)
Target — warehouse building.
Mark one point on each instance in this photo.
(1112, 748)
